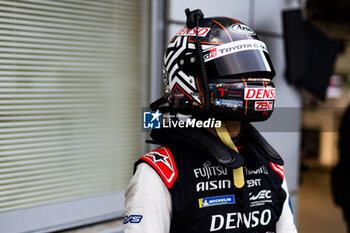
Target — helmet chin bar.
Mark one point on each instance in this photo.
(248, 100)
(243, 100)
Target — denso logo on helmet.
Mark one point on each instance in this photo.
(259, 93)
(202, 32)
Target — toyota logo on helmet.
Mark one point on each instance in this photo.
(218, 67)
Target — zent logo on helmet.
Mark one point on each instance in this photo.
(259, 93)
(263, 105)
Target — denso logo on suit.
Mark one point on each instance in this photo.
(237, 220)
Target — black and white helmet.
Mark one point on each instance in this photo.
(219, 68)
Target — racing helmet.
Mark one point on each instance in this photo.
(217, 67)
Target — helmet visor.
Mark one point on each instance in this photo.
(239, 57)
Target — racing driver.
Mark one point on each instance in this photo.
(218, 179)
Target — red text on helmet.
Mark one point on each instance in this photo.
(192, 32)
(263, 105)
(259, 93)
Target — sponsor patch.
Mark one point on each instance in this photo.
(237, 220)
(228, 103)
(213, 185)
(263, 105)
(233, 47)
(218, 200)
(278, 168)
(260, 170)
(253, 183)
(259, 93)
(242, 29)
(259, 199)
(163, 162)
(263, 194)
(132, 219)
(208, 170)
(202, 32)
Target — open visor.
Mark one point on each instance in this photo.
(238, 57)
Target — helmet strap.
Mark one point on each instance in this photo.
(203, 74)
(193, 19)
(238, 176)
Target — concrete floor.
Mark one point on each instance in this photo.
(316, 210)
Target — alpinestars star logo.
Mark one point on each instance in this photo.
(163, 162)
(157, 157)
